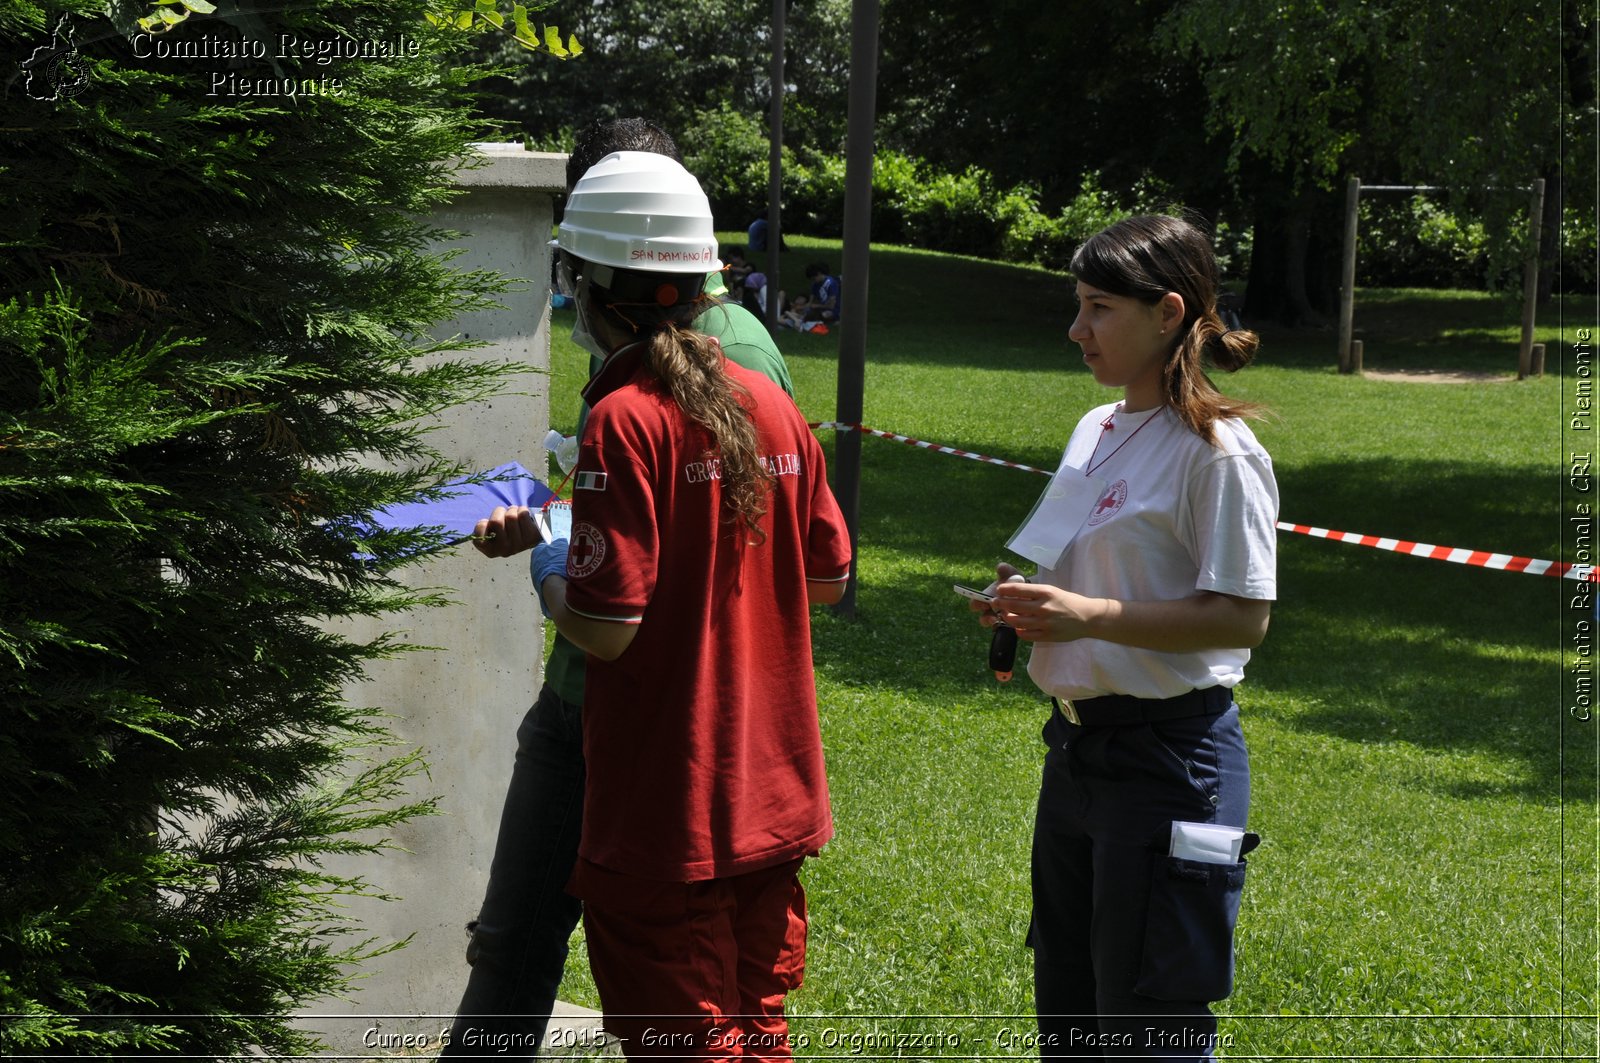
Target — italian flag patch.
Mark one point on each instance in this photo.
(589, 481)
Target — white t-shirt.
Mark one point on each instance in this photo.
(1177, 516)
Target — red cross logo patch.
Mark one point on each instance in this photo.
(1109, 503)
(585, 550)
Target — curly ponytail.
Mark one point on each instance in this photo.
(690, 365)
(1148, 256)
(1192, 395)
(659, 308)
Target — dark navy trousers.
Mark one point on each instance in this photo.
(519, 943)
(1131, 945)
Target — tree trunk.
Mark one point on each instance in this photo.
(1549, 236)
(1282, 273)
(1265, 292)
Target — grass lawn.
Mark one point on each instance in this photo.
(1427, 884)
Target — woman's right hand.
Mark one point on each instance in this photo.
(985, 610)
(508, 530)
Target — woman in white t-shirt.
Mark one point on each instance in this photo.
(1141, 628)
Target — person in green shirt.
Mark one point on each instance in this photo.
(518, 947)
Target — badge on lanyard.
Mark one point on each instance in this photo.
(1057, 517)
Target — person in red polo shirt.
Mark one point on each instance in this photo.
(706, 788)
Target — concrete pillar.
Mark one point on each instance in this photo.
(460, 703)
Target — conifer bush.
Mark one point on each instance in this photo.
(215, 315)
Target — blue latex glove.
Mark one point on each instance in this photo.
(549, 559)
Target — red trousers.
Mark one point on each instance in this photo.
(695, 970)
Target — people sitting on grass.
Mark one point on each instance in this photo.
(825, 291)
(794, 315)
(753, 296)
(735, 269)
(798, 316)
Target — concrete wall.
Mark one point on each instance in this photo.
(462, 702)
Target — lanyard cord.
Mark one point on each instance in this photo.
(1107, 425)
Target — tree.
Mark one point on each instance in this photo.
(1313, 90)
(672, 60)
(218, 288)
(1046, 94)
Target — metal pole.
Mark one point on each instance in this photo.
(775, 169)
(1530, 280)
(853, 301)
(1347, 282)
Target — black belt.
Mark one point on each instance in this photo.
(1111, 710)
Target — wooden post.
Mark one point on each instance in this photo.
(1355, 356)
(1536, 362)
(860, 120)
(1347, 283)
(1530, 280)
(775, 173)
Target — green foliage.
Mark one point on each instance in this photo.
(729, 152)
(1421, 242)
(215, 334)
(1425, 241)
(817, 199)
(1169, 90)
(1346, 80)
(169, 13)
(1042, 94)
(895, 178)
(1050, 240)
(954, 212)
(1415, 241)
(1580, 249)
(486, 15)
(912, 201)
(668, 60)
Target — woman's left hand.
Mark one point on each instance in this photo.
(1042, 613)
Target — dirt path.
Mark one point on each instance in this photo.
(1436, 376)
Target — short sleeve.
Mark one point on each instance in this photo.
(1233, 517)
(611, 554)
(827, 537)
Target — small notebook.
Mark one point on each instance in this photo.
(554, 519)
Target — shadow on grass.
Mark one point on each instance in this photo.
(943, 310)
(1386, 647)
(936, 309)
(928, 521)
(1366, 645)
(1428, 329)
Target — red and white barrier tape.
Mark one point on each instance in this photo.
(1479, 558)
(839, 426)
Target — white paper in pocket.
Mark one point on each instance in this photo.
(1206, 843)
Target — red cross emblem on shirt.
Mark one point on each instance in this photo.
(586, 551)
(1109, 503)
(582, 551)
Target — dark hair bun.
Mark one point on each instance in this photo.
(1232, 349)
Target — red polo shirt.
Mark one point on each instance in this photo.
(703, 751)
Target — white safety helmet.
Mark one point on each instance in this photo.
(636, 210)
